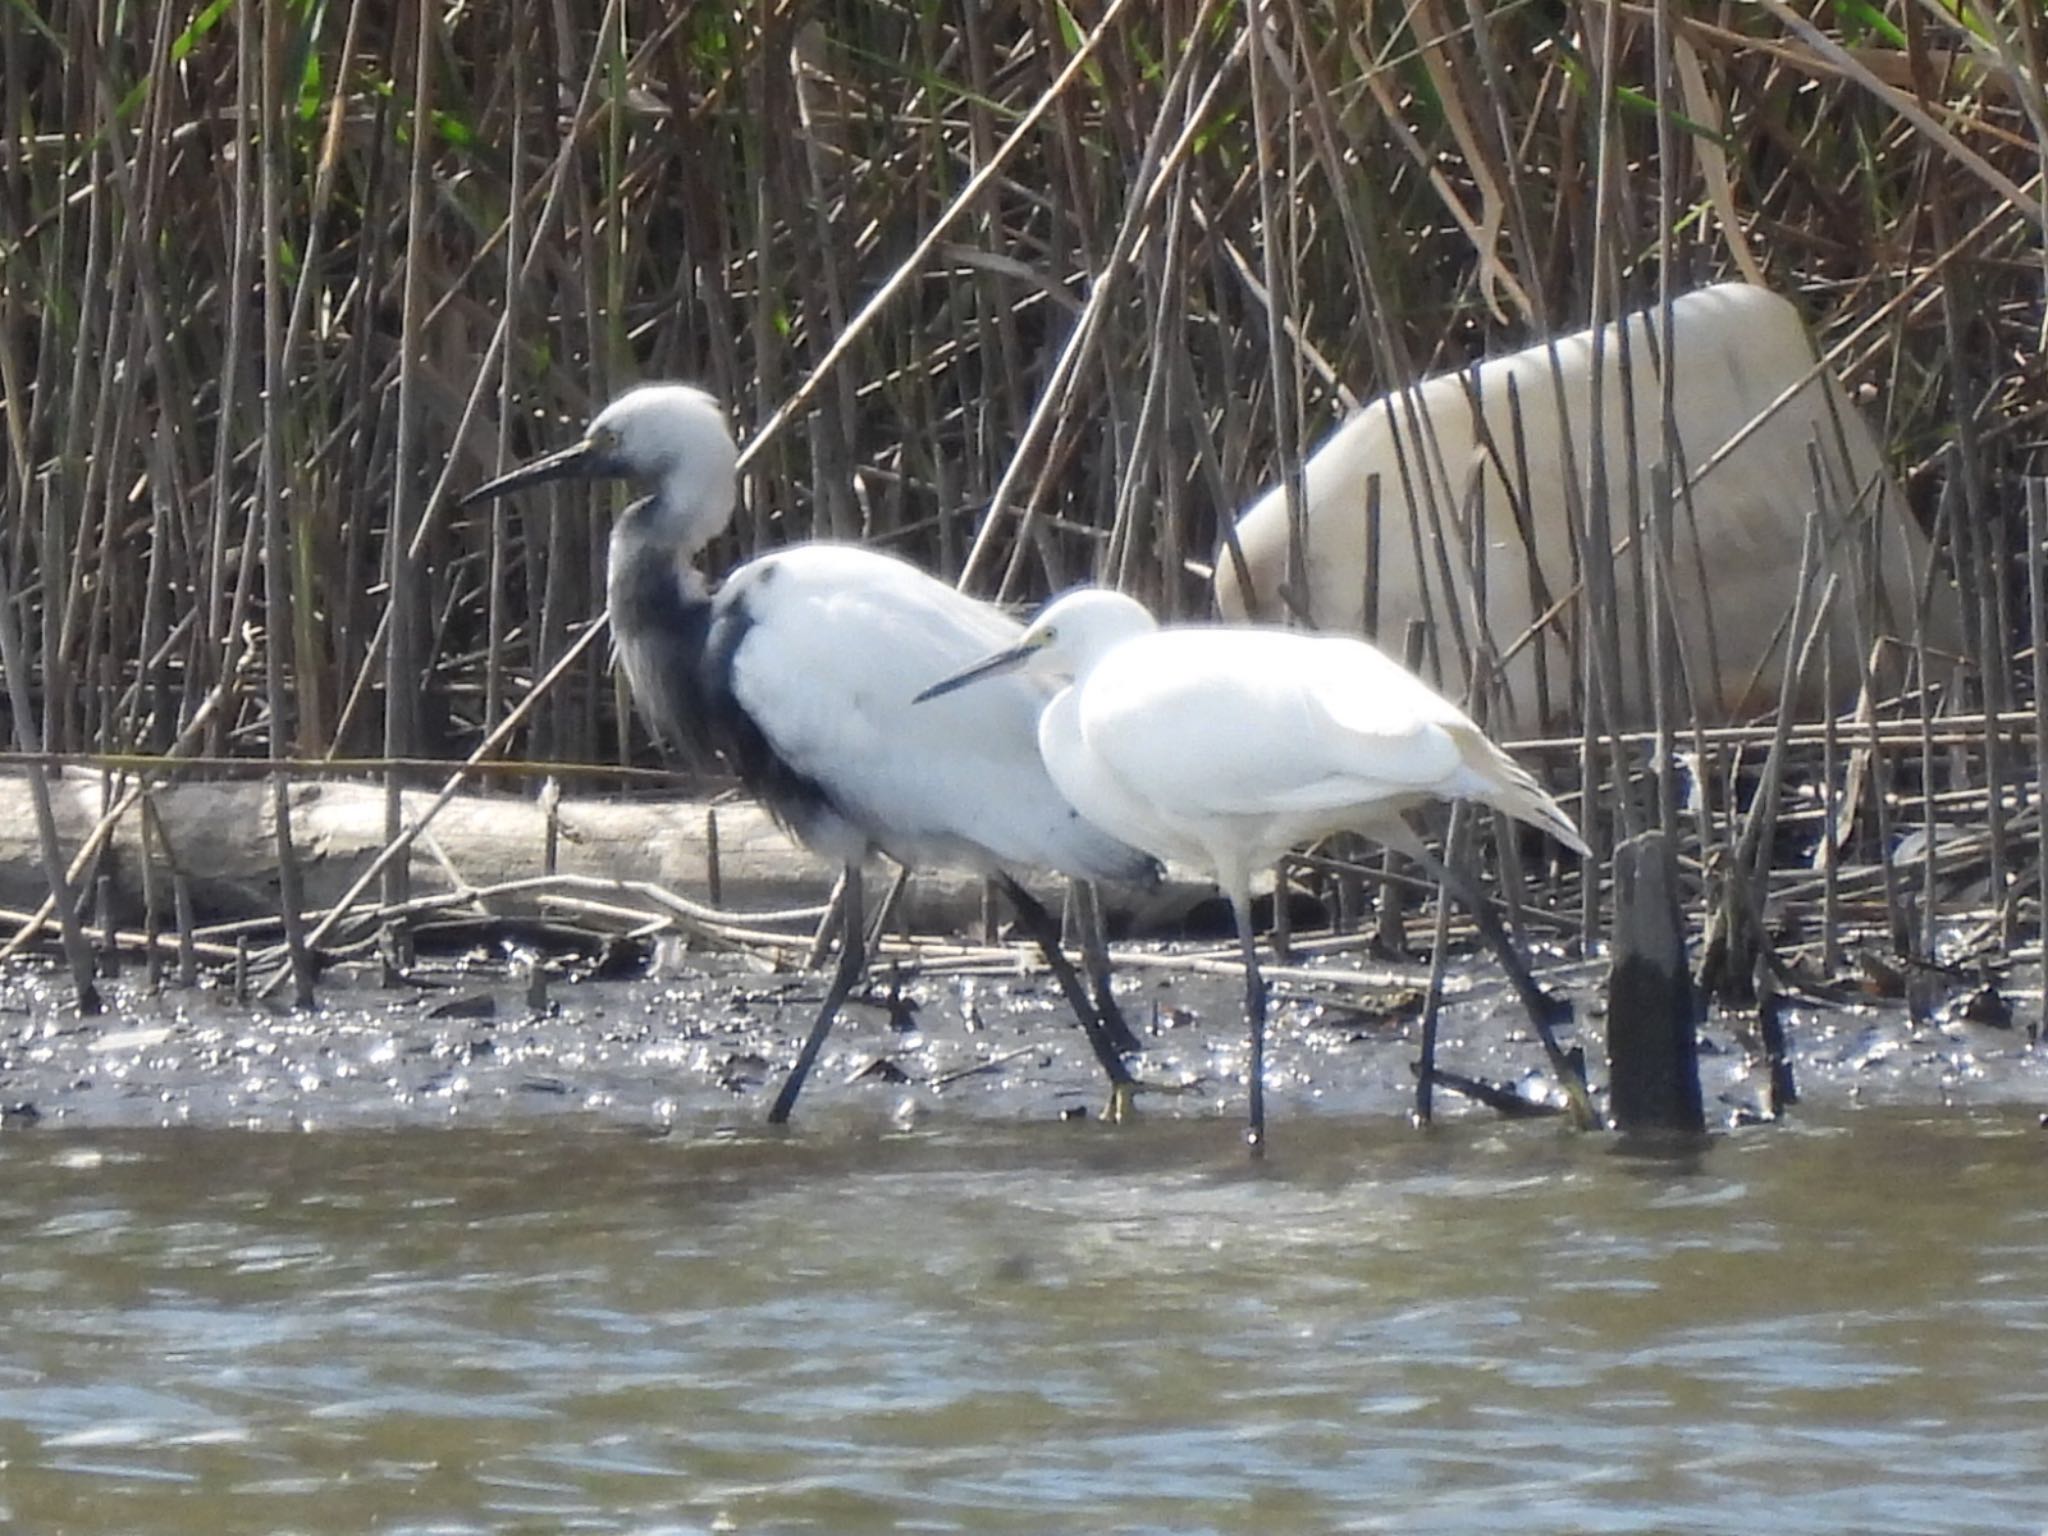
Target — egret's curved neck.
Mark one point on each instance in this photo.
(660, 610)
(674, 524)
(651, 551)
(682, 516)
(1108, 631)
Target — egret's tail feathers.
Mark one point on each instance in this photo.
(1510, 788)
(1535, 806)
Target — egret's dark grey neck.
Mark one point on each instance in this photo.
(679, 646)
(652, 544)
(660, 608)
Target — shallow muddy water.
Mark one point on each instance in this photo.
(376, 1270)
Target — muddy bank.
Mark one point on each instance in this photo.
(702, 1044)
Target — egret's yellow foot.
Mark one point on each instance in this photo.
(1123, 1103)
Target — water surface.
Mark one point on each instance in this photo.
(982, 1325)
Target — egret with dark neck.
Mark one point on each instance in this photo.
(1224, 747)
(800, 671)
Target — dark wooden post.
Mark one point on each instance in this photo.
(1652, 1054)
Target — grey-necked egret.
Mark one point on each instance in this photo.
(1747, 397)
(1223, 747)
(800, 671)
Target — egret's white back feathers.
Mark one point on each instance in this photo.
(957, 781)
(1512, 435)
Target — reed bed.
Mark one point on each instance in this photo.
(1030, 292)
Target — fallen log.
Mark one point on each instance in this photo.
(220, 837)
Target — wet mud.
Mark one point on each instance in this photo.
(700, 1043)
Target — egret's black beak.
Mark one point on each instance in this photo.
(988, 666)
(583, 460)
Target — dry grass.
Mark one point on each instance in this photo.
(279, 279)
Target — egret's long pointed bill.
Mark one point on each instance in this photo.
(579, 459)
(988, 666)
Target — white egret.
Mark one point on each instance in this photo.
(1224, 747)
(1735, 560)
(800, 672)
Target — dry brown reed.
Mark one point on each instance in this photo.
(1029, 292)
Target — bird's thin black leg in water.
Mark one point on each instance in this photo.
(1045, 931)
(832, 922)
(852, 964)
(1255, 1026)
(886, 912)
(1545, 1011)
(1432, 1008)
(1095, 955)
(1115, 1027)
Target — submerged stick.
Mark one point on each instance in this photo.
(276, 559)
(1830, 843)
(2037, 602)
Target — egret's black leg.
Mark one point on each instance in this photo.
(1095, 955)
(1115, 1027)
(1040, 924)
(1545, 1011)
(885, 913)
(1255, 1024)
(1432, 1010)
(852, 963)
(828, 925)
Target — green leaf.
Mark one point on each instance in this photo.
(1862, 21)
(310, 99)
(207, 19)
(453, 130)
(303, 60)
(1074, 35)
(181, 46)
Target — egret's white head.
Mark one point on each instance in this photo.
(671, 437)
(1075, 630)
(1069, 636)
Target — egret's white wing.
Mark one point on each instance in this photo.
(1247, 722)
(839, 643)
(1360, 689)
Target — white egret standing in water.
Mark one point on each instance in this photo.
(1224, 747)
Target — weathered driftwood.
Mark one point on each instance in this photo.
(220, 837)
